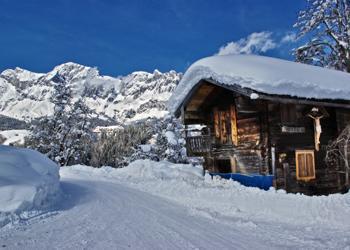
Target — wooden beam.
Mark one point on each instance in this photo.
(287, 100)
(273, 98)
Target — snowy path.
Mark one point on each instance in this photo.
(104, 215)
(108, 213)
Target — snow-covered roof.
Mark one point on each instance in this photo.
(264, 75)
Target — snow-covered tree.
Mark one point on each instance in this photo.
(2, 139)
(327, 25)
(169, 140)
(154, 139)
(78, 140)
(66, 135)
(338, 153)
(115, 148)
(166, 143)
(48, 132)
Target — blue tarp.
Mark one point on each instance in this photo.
(249, 180)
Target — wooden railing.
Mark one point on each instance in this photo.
(198, 144)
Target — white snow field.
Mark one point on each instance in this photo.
(14, 136)
(159, 205)
(28, 181)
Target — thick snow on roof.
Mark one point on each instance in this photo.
(266, 75)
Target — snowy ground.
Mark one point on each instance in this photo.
(14, 136)
(165, 206)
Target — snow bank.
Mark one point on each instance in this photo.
(266, 75)
(144, 170)
(28, 180)
(218, 198)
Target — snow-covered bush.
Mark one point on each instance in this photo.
(167, 142)
(170, 143)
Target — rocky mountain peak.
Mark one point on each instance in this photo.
(26, 95)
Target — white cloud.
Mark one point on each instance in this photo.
(258, 43)
(289, 37)
(255, 43)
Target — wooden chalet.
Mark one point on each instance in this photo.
(252, 130)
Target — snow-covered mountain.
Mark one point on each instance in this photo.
(26, 95)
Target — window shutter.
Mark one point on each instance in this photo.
(288, 113)
(305, 165)
(234, 132)
(223, 129)
(216, 123)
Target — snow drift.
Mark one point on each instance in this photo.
(265, 75)
(218, 198)
(28, 180)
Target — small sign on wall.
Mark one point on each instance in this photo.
(293, 130)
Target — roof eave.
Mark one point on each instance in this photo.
(339, 103)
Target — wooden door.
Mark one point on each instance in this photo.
(225, 125)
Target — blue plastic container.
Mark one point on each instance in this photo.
(249, 180)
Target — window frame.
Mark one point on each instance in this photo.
(288, 113)
(305, 152)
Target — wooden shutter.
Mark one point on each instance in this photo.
(216, 123)
(288, 113)
(223, 129)
(234, 132)
(305, 165)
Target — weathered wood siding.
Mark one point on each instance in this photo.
(243, 131)
(327, 180)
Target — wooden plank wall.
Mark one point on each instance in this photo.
(244, 144)
(327, 180)
(249, 152)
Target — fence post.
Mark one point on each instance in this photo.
(273, 161)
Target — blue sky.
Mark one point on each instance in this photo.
(124, 36)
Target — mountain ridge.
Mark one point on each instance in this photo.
(27, 95)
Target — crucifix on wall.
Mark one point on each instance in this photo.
(317, 114)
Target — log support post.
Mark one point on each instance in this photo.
(286, 176)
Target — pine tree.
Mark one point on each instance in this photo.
(66, 135)
(78, 139)
(327, 23)
(59, 128)
(47, 133)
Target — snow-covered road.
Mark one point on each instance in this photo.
(106, 215)
(162, 206)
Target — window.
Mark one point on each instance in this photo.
(288, 113)
(225, 125)
(305, 165)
